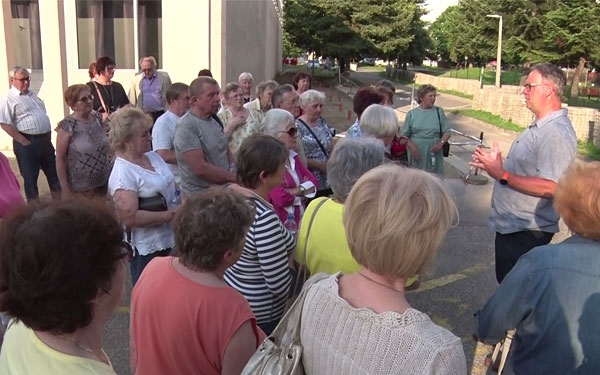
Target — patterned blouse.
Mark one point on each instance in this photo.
(312, 150)
(251, 126)
(88, 164)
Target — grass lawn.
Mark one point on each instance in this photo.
(490, 118)
(512, 77)
(588, 149)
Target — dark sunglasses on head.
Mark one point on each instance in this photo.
(292, 132)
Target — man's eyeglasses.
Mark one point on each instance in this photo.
(126, 251)
(292, 132)
(87, 98)
(23, 80)
(529, 86)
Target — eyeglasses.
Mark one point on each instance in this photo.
(85, 99)
(23, 80)
(126, 251)
(292, 132)
(529, 86)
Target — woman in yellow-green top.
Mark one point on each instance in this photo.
(326, 246)
(327, 249)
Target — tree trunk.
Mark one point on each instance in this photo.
(575, 85)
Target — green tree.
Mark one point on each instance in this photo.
(349, 29)
(289, 48)
(570, 36)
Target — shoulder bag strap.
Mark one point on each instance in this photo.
(315, 137)
(310, 222)
(437, 110)
(287, 331)
(302, 273)
(101, 98)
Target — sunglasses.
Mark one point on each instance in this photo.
(292, 132)
(26, 79)
(126, 251)
(87, 98)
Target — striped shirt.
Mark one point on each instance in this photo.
(26, 112)
(261, 274)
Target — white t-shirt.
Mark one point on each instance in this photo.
(146, 183)
(163, 133)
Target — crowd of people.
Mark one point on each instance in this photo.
(217, 199)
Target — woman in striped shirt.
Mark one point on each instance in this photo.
(262, 274)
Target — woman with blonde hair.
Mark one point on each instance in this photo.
(362, 323)
(138, 173)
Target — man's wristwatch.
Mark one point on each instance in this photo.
(504, 179)
(302, 190)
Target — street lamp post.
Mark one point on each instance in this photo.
(499, 55)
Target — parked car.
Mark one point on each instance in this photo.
(313, 64)
(368, 61)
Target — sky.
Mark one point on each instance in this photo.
(437, 7)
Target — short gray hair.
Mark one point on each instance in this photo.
(351, 158)
(424, 90)
(261, 87)
(311, 96)
(553, 74)
(278, 93)
(276, 120)
(379, 121)
(148, 58)
(245, 76)
(15, 70)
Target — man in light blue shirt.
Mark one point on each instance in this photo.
(523, 215)
(148, 89)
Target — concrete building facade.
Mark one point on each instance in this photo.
(58, 39)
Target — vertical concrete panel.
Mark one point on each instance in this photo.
(52, 25)
(7, 61)
(252, 38)
(185, 26)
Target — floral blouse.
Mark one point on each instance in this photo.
(251, 126)
(88, 164)
(312, 150)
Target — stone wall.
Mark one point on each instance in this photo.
(508, 103)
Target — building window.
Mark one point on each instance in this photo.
(26, 32)
(150, 29)
(106, 28)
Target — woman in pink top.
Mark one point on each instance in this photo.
(184, 318)
(10, 196)
(298, 183)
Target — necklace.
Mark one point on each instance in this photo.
(381, 284)
(102, 358)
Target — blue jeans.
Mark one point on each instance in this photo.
(38, 154)
(139, 262)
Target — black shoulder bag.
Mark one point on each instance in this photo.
(316, 138)
(446, 145)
